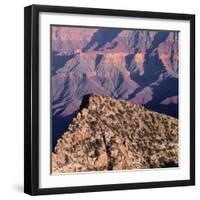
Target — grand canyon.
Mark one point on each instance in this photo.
(135, 71)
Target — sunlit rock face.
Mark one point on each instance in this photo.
(109, 134)
(70, 40)
(133, 65)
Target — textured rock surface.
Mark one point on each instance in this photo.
(109, 134)
(134, 65)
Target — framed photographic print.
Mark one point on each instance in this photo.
(109, 100)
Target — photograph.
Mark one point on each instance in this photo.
(114, 98)
(99, 100)
(109, 99)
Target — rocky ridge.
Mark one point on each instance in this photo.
(110, 134)
(139, 66)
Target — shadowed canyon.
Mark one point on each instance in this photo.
(138, 66)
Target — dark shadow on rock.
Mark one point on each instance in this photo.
(166, 88)
(98, 60)
(171, 109)
(153, 67)
(101, 37)
(159, 37)
(59, 126)
(84, 102)
(58, 61)
(128, 60)
(169, 164)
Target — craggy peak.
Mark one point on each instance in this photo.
(110, 134)
(114, 99)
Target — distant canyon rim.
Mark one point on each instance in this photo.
(138, 66)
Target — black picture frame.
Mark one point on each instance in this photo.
(31, 98)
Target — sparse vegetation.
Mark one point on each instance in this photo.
(116, 135)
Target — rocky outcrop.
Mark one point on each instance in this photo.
(139, 66)
(110, 134)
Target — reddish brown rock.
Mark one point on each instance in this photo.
(115, 135)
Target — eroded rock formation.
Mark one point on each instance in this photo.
(140, 66)
(110, 134)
